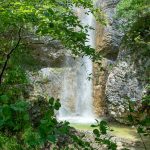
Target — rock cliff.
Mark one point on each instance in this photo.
(125, 71)
(108, 40)
(122, 75)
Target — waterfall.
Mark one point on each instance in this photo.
(76, 95)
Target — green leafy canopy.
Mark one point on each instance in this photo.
(135, 18)
(49, 17)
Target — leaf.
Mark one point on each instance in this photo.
(96, 132)
(25, 117)
(57, 105)
(51, 25)
(140, 130)
(51, 100)
(6, 112)
(93, 125)
(2, 122)
(19, 106)
(51, 138)
(4, 99)
(103, 127)
(130, 118)
(146, 134)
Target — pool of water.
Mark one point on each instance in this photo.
(119, 130)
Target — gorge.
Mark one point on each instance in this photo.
(65, 78)
(74, 75)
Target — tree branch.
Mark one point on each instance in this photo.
(8, 56)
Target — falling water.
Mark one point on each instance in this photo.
(77, 101)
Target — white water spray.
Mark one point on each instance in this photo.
(81, 110)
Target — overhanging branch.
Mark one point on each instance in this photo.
(8, 56)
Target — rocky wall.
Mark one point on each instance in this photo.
(47, 66)
(125, 72)
(122, 73)
(99, 84)
(107, 43)
(127, 79)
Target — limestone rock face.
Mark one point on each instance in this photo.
(46, 82)
(45, 51)
(108, 40)
(124, 72)
(108, 37)
(47, 68)
(126, 79)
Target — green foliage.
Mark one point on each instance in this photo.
(19, 127)
(101, 135)
(14, 116)
(8, 143)
(135, 16)
(54, 18)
